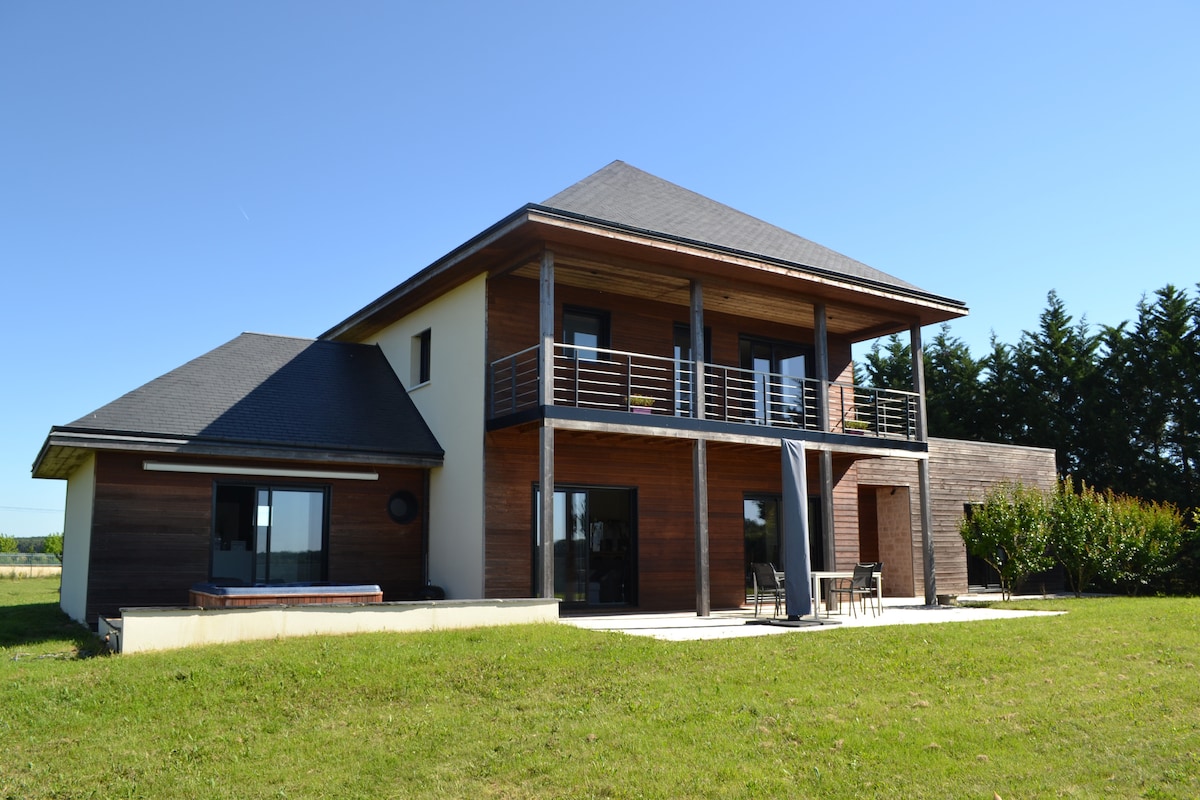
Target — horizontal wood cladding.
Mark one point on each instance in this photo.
(845, 513)
(959, 472)
(151, 532)
(637, 325)
(781, 296)
(661, 473)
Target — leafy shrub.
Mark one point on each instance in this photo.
(1082, 534)
(1010, 530)
(1147, 539)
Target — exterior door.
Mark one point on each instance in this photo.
(779, 370)
(594, 554)
(269, 534)
(762, 521)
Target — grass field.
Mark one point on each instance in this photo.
(1103, 701)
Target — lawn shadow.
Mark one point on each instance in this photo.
(36, 624)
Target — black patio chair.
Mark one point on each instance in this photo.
(766, 584)
(860, 586)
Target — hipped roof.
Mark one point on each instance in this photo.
(260, 396)
(623, 202)
(627, 196)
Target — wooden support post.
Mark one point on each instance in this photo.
(699, 382)
(828, 539)
(926, 532)
(918, 370)
(821, 333)
(700, 513)
(825, 459)
(546, 511)
(700, 454)
(546, 326)
(546, 433)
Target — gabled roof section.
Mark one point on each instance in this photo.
(627, 196)
(260, 396)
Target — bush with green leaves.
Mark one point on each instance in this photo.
(1010, 530)
(1121, 542)
(8, 544)
(1147, 540)
(1083, 535)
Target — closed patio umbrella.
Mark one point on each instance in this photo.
(798, 582)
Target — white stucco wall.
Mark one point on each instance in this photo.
(77, 540)
(452, 402)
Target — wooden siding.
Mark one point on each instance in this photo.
(151, 533)
(660, 470)
(959, 472)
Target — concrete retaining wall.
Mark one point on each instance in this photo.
(146, 629)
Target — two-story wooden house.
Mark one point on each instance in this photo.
(607, 378)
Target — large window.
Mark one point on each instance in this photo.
(779, 372)
(587, 329)
(269, 534)
(593, 545)
(762, 520)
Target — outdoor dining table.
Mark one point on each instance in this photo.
(822, 575)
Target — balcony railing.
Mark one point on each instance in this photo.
(614, 380)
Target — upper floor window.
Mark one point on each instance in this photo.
(421, 352)
(780, 370)
(588, 330)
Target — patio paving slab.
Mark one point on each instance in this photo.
(736, 623)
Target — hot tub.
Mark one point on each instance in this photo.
(211, 595)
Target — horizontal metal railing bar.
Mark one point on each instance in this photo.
(603, 378)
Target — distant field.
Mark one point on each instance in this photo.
(1103, 701)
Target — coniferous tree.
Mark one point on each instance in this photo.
(952, 389)
(1159, 385)
(1056, 365)
(889, 366)
(1001, 393)
(1112, 461)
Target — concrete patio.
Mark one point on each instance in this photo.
(732, 623)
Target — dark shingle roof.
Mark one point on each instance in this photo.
(275, 392)
(629, 197)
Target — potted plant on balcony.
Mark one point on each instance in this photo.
(855, 426)
(640, 403)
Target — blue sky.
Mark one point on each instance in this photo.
(172, 174)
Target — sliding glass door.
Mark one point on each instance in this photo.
(594, 562)
(779, 371)
(762, 522)
(266, 534)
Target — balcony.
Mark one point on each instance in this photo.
(636, 383)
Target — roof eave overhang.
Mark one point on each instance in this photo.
(928, 307)
(542, 223)
(65, 449)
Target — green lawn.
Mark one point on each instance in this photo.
(1101, 702)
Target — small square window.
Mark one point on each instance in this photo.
(421, 357)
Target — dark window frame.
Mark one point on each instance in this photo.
(423, 357)
(816, 536)
(326, 492)
(682, 389)
(632, 574)
(603, 319)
